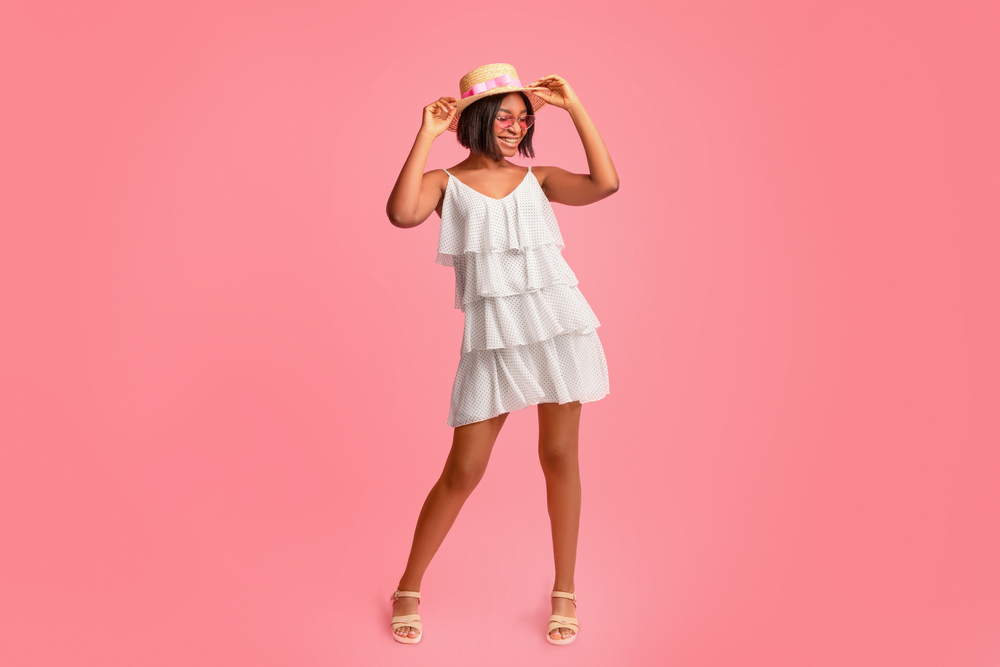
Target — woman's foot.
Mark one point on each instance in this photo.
(563, 607)
(400, 607)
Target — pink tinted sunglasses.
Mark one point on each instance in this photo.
(506, 120)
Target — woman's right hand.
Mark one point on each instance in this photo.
(438, 115)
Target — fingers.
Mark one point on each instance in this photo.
(442, 107)
(548, 83)
(443, 103)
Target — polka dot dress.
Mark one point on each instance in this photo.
(530, 336)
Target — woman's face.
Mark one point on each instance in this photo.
(509, 138)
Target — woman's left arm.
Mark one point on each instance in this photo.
(565, 187)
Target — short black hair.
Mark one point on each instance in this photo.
(475, 127)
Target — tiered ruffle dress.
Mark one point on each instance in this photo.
(530, 336)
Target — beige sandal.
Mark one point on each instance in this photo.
(411, 620)
(557, 621)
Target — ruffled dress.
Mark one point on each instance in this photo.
(530, 336)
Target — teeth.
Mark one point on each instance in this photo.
(509, 141)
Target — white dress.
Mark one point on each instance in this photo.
(530, 335)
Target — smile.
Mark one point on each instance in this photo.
(510, 142)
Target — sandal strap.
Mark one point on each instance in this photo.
(556, 621)
(410, 620)
(404, 594)
(562, 594)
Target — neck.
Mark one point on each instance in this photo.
(480, 161)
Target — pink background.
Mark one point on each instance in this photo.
(226, 374)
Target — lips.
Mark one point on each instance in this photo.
(512, 142)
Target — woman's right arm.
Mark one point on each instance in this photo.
(415, 196)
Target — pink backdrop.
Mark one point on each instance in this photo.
(226, 375)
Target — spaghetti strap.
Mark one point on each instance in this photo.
(449, 173)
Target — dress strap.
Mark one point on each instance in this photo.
(449, 173)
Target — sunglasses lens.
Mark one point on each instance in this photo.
(507, 121)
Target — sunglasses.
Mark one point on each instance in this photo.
(506, 120)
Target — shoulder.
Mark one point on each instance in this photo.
(544, 173)
(436, 178)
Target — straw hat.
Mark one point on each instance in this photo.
(491, 80)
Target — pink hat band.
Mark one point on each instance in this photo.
(495, 82)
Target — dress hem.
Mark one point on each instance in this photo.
(528, 405)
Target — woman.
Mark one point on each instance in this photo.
(530, 336)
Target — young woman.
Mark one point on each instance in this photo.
(530, 336)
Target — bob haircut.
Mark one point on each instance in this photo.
(475, 127)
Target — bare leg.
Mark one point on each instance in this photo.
(558, 449)
(470, 452)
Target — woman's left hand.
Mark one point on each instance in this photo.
(554, 90)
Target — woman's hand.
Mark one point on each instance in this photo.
(438, 115)
(554, 90)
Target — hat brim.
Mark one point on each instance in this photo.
(536, 101)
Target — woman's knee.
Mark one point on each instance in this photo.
(470, 452)
(559, 456)
(462, 476)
